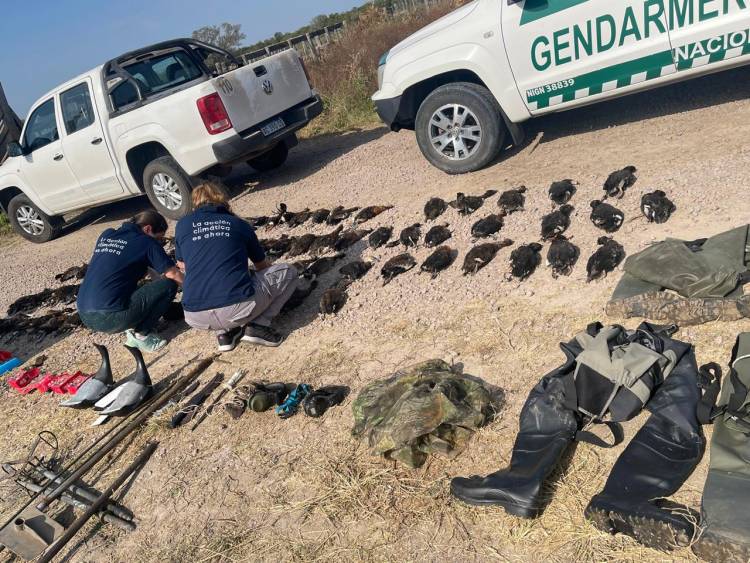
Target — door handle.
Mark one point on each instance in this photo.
(58, 156)
(96, 140)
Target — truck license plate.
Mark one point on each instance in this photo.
(272, 126)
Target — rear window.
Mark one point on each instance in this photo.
(154, 75)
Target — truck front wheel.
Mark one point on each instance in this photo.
(459, 127)
(168, 188)
(31, 222)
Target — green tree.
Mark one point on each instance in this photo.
(228, 36)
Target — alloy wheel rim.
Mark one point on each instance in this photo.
(29, 220)
(166, 191)
(455, 132)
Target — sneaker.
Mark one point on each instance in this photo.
(261, 335)
(228, 340)
(149, 343)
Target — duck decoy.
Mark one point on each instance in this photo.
(137, 387)
(94, 388)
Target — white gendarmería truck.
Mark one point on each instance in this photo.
(151, 121)
(466, 82)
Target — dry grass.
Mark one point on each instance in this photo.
(347, 73)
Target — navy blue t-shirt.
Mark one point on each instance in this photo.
(215, 247)
(120, 260)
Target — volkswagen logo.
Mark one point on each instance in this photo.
(268, 87)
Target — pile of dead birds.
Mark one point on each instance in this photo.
(22, 319)
(562, 254)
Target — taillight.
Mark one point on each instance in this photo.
(214, 114)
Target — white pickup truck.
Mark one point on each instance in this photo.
(466, 82)
(152, 120)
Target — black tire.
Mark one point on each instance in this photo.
(485, 112)
(271, 159)
(21, 206)
(173, 200)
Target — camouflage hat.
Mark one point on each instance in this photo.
(426, 408)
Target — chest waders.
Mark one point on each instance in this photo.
(655, 463)
(726, 495)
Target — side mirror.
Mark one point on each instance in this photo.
(15, 149)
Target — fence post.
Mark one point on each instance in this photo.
(313, 48)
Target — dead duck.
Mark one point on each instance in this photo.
(370, 212)
(258, 221)
(439, 260)
(322, 265)
(607, 257)
(468, 204)
(657, 207)
(434, 208)
(303, 290)
(561, 192)
(562, 256)
(301, 244)
(339, 213)
(556, 223)
(410, 235)
(63, 295)
(278, 246)
(488, 226)
(397, 266)
(355, 270)
(76, 272)
(350, 237)
(380, 236)
(482, 254)
(525, 259)
(619, 181)
(298, 218)
(437, 235)
(606, 216)
(513, 200)
(324, 242)
(320, 215)
(334, 298)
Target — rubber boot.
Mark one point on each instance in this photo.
(655, 464)
(547, 428)
(726, 496)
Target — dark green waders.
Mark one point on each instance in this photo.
(726, 496)
(654, 465)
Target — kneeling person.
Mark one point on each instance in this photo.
(110, 300)
(214, 248)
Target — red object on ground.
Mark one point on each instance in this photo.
(26, 381)
(67, 383)
(5, 356)
(43, 385)
(72, 386)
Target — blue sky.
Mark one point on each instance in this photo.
(46, 42)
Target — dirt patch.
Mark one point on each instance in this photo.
(263, 488)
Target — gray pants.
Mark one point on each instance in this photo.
(273, 287)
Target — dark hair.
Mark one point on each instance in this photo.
(152, 219)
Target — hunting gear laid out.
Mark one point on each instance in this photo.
(610, 374)
(426, 408)
(687, 282)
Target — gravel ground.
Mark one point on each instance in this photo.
(263, 488)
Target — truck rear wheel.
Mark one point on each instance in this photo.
(271, 159)
(31, 222)
(459, 127)
(168, 188)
